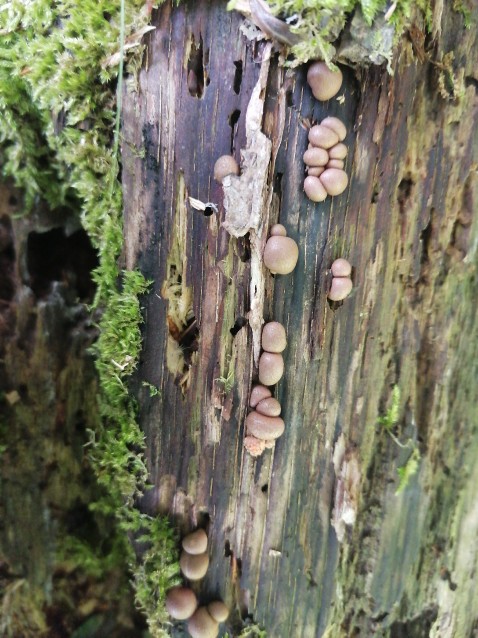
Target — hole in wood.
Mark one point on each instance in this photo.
(237, 77)
(233, 120)
(195, 68)
(54, 257)
(265, 488)
(277, 187)
(244, 248)
(182, 324)
(404, 192)
(227, 549)
(238, 324)
(471, 81)
(289, 99)
(7, 260)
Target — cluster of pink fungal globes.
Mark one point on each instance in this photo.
(341, 286)
(326, 153)
(281, 252)
(182, 603)
(263, 424)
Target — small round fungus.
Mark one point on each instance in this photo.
(254, 446)
(193, 566)
(271, 368)
(274, 338)
(314, 189)
(225, 165)
(323, 137)
(336, 125)
(202, 625)
(218, 610)
(335, 163)
(334, 180)
(323, 82)
(281, 255)
(278, 229)
(315, 171)
(341, 268)
(316, 157)
(269, 407)
(339, 151)
(181, 602)
(341, 287)
(264, 427)
(258, 393)
(196, 542)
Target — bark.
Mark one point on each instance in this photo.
(405, 565)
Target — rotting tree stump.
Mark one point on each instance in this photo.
(407, 223)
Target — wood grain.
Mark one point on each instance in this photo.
(407, 224)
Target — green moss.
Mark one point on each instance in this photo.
(320, 22)
(466, 9)
(59, 138)
(389, 421)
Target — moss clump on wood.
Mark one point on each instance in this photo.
(320, 22)
(58, 69)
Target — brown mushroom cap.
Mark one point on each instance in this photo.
(201, 625)
(314, 189)
(281, 255)
(341, 287)
(323, 137)
(218, 610)
(323, 82)
(225, 165)
(316, 157)
(194, 566)
(278, 229)
(336, 125)
(254, 446)
(339, 151)
(335, 163)
(334, 180)
(315, 171)
(181, 602)
(271, 368)
(269, 407)
(341, 268)
(273, 338)
(258, 393)
(264, 427)
(196, 542)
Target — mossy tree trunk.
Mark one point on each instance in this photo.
(53, 581)
(285, 549)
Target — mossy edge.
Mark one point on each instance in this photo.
(57, 125)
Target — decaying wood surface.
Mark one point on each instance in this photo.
(311, 539)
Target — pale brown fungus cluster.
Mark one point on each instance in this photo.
(281, 252)
(325, 156)
(341, 285)
(263, 423)
(324, 82)
(325, 160)
(225, 165)
(182, 603)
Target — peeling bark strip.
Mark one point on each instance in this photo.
(407, 224)
(247, 198)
